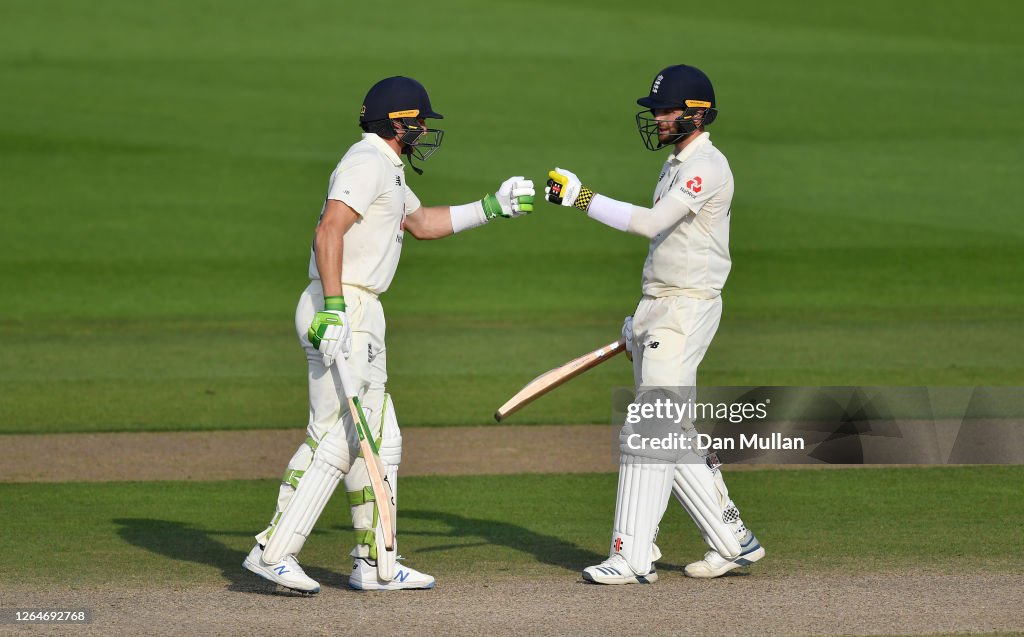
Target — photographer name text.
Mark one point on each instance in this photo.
(705, 442)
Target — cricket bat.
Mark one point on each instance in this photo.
(382, 492)
(557, 377)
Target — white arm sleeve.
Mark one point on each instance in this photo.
(610, 212)
(646, 222)
(467, 216)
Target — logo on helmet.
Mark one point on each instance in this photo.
(657, 83)
(362, 111)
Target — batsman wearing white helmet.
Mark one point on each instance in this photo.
(671, 328)
(340, 321)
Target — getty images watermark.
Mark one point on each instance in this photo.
(683, 414)
(822, 425)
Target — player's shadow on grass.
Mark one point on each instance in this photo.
(547, 549)
(184, 542)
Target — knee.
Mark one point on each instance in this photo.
(338, 448)
(391, 434)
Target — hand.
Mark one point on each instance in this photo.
(564, 188)
(331, 333)
(627, 335)
(513, 199)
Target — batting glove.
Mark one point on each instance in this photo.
(330, 331)
(513, 199)
(564, 188)
(627, 335)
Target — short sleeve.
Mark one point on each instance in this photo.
(412, 202)
(697, 184)
(356, 182)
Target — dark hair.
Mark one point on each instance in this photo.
(380, 127)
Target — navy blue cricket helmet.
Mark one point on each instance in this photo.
(394, 107)
(683, 87)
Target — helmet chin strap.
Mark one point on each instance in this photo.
(409, 138)
(407, 151)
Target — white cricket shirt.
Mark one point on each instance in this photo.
(691, 258)
(370, 179)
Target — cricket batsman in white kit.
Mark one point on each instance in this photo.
(672, 327)
(340, 321)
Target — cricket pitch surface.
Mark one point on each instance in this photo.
(911, 602)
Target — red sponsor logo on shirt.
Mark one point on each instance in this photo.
(694, 184)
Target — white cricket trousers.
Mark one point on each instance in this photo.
(368, 366)
(671, 335)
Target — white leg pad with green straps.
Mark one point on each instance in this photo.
(331, 460)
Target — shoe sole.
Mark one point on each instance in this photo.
(650, 578)
(252, 568)
(743, 560)
(391, 587)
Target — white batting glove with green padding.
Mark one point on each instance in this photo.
(513, 199)
(330, 331)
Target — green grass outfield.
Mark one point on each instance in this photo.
(951, 519)
(162, 167)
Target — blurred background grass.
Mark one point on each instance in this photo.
(163, 165)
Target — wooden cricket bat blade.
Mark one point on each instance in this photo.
(557, 377)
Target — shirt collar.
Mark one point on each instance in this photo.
(383, 147)
(692, 147)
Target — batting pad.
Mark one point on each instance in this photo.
(699, 487)
(644, 488)
(390, 447)
(315, 489)
(330, 460)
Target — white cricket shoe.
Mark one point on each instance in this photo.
(287, 572)
(714, 565)
(364, 577)
(615, 570)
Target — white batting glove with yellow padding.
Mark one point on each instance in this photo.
(565, 189)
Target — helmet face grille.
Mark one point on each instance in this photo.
(690, 120)
(421, 141)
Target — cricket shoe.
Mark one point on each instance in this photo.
(714, 565)
(364, 577)
(615, 570)
(287, 572)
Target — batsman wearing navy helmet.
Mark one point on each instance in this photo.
(671, 329)
(340, 321)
